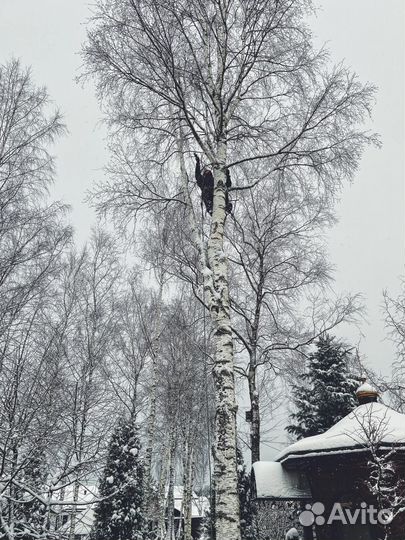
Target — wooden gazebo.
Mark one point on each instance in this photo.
(334, 470)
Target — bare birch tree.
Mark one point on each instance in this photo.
(394, 311)
(239, 83)
(279, 279)
(155, 255)
(184, 413)
(33, 237)
(91, 283)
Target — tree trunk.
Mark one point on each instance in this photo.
(252, 373)
(225, 469)
(255, 410)
(48, 520)
(161, 532)
(188, 494)
(180, 529)
(74, 511)
(188, 479)
(216, 289)
(11, 514)
(170, 532)
(152, 407)
(58, 521)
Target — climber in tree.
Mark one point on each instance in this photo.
(228, 204)
(205, 182)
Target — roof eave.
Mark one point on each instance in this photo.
(336, 451)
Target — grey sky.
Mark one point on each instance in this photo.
(367, 246)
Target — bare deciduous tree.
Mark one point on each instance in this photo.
(279, 266)
(385, 468)
(91, 282)
(239, 83)
(394, 310)
(33, 236)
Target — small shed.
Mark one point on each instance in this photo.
(82, 510)
(272, 481)
(200, 507)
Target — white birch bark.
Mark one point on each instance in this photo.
(227, 515)
(152, 404)
(225, 468)
(161, 529)
(195, 231)
(170, 531)
(180, 530)
(254, 407)
(188, 493)
(184, 530)
(214, 266)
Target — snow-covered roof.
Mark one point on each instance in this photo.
(85, 507)
(199, 505)
(272, 481)
(366, 387)
(371, 422)
(84, 522)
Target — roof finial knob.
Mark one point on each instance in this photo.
(367, 393)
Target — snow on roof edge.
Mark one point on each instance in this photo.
(272, 481)
(351, 433)
(338, 451)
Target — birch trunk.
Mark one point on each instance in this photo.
(161, 531)
(255, 409)
(184, 530)
(225, 468)
(252, 372)
(214, 266)
(152, 405)
(170, 532)
(180, 530)
(227, 514)
(188, 494)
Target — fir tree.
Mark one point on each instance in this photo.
(119, 513)
(328, 392)
(31, 516)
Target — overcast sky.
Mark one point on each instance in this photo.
(367, 246)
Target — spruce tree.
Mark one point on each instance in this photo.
(31, 515)
(118, 515)
(327, 393)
